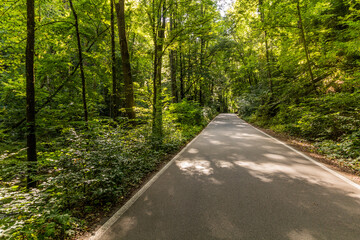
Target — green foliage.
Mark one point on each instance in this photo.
(87, 169)
(330, 121)
(347, 150)
(221, 64)
(271, 82)
(185, 112)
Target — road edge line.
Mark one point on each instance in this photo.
(102, 230)
(345, 179)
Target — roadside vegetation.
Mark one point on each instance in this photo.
(305, 81)
(82, 172)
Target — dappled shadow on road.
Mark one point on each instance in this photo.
(244, 186)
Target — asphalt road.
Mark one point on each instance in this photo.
(234, 182)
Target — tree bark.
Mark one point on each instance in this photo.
(125, 57)
(182, 88)
(82, 74)
(303, 38)
(159, 37)
(202, 47)
(201, 90)
(172, 57)
(30, 94)
(268, 64)
(115, 94)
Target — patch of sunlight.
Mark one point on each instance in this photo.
(215, 142)
(224, 164)
(265, 167)
(252, 136)
(300, 235)
(221, 226)
(271, 147)
(215, 181)
(148, 204)
(354, 195)
(274, 156)
(148, 212)
(195, 167)
(262, 177)
(220, 122)
(238, 136)
(126, 225)
(263, 170)
(193, 151)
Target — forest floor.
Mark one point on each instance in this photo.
(310, 150)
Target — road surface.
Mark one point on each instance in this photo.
(235, 182)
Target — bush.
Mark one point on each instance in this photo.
(331, 120)
(186, 112)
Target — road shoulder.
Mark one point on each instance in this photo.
(308, 149)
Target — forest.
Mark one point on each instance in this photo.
(95, 95)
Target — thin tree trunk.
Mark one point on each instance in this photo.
(182, 94)
(201, 92)
(189, 67)
(268, 64)
(303, 38)
(172, 58)
(157, 130)
(125, 57)
(82, 74)
(115, 94)
(202, 45)
(30, 94)
(249, 77)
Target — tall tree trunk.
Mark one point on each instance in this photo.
(30, 94)
(82, 74)
(125, 57)
(189, 67)
(159, 37)
(201, 91)
(268, 64)
(202, 45)
(182, 88)
(249, 77)
(172, 57)
(115, 94)
(303, 39)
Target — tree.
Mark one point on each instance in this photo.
(268, 63)
(82, 74)
(303, 40)
(125, 57)
(115, 93)
(30, 93)
(172, 57)
(158, 25)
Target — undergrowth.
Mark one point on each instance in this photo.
(331, 121)
(84, 171)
